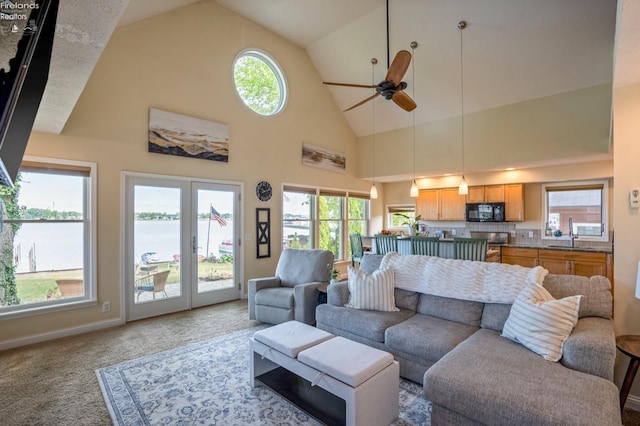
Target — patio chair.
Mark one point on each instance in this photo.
(385, 243)
(429, 246)
(470, 248)
(292, 294)
(357, 249)
(153, 283)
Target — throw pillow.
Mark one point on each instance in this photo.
(371, 291)
(540, 322)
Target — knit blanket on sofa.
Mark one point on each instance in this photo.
(487, 282)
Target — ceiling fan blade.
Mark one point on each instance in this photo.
(404, 101)
(366, 86)
(398, 67)
(362, 102)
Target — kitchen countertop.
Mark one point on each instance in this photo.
(561, 248)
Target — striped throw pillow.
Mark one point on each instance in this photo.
(540, 322)
(373, 292)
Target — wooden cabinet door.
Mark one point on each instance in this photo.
(556, 266)
(427, 204)
(589, 269)
(476, 194)
(527, 257)
(452, 204)
(514, 202)
(494, 193)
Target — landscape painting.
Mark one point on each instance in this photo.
(176, 134)
(323, 158)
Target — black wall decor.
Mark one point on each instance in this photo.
(263, 233)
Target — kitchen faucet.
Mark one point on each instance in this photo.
(572, 236)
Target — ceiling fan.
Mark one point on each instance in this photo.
(392, 87)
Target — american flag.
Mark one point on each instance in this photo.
(216, 216)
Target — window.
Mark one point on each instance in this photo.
(396, 215)
(317, 218)
(584, 204)
(47, 238)
(259, 82)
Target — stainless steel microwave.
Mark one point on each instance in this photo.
(485, 212)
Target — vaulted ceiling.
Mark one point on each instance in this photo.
(512, 50)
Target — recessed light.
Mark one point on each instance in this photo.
(510, 169)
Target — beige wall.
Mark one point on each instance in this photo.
(566, 125)
(182, 62)
(626, 109)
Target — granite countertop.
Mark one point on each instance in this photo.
(562, 248)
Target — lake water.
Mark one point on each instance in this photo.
(58, 246)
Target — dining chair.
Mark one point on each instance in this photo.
(470, 248)
(385, 243)
(429, 246)
(357, 249)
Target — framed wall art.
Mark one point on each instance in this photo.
(176, 134)
(263, 233)
(316, 156)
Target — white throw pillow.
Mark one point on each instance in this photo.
(540, 322)
(371, 291)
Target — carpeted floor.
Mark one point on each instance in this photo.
(54, 383)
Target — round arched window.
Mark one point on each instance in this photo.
(259, 82)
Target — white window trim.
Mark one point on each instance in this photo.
(90, 262)
(388, 216)
(605, 209)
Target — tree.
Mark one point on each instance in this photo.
(329, 230)
(257, 85)
(8, 285)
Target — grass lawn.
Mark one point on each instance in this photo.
(41, 286)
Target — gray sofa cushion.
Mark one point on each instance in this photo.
(495, 315)
(597, 300)
(304, 266)
(368, 324)
(427, 337)
(493, 380)
(370, 262)
(279, 297)
(591, 347)
(458, 310)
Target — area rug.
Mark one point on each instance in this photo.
(207, 383)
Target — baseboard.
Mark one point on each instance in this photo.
(37, 338)
(633, 402)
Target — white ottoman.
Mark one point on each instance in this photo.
(365, 378)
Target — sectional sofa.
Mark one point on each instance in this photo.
(455, 347)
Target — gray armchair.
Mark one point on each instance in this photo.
(292, 294)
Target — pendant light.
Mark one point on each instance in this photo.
(414, 187)
(373, 192)
(463, 189)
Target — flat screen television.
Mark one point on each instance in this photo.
(27, 29)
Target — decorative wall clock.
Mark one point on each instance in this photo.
(264, 191)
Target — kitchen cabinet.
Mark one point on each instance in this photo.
(452, 204)
(527, 257)
(427, 204)
(486, 194)
(575, 262)
(514, 202)
(440, 204)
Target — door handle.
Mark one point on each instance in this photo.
(194, 245)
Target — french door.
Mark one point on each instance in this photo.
(182, 241)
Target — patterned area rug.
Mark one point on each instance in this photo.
(207, 383)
